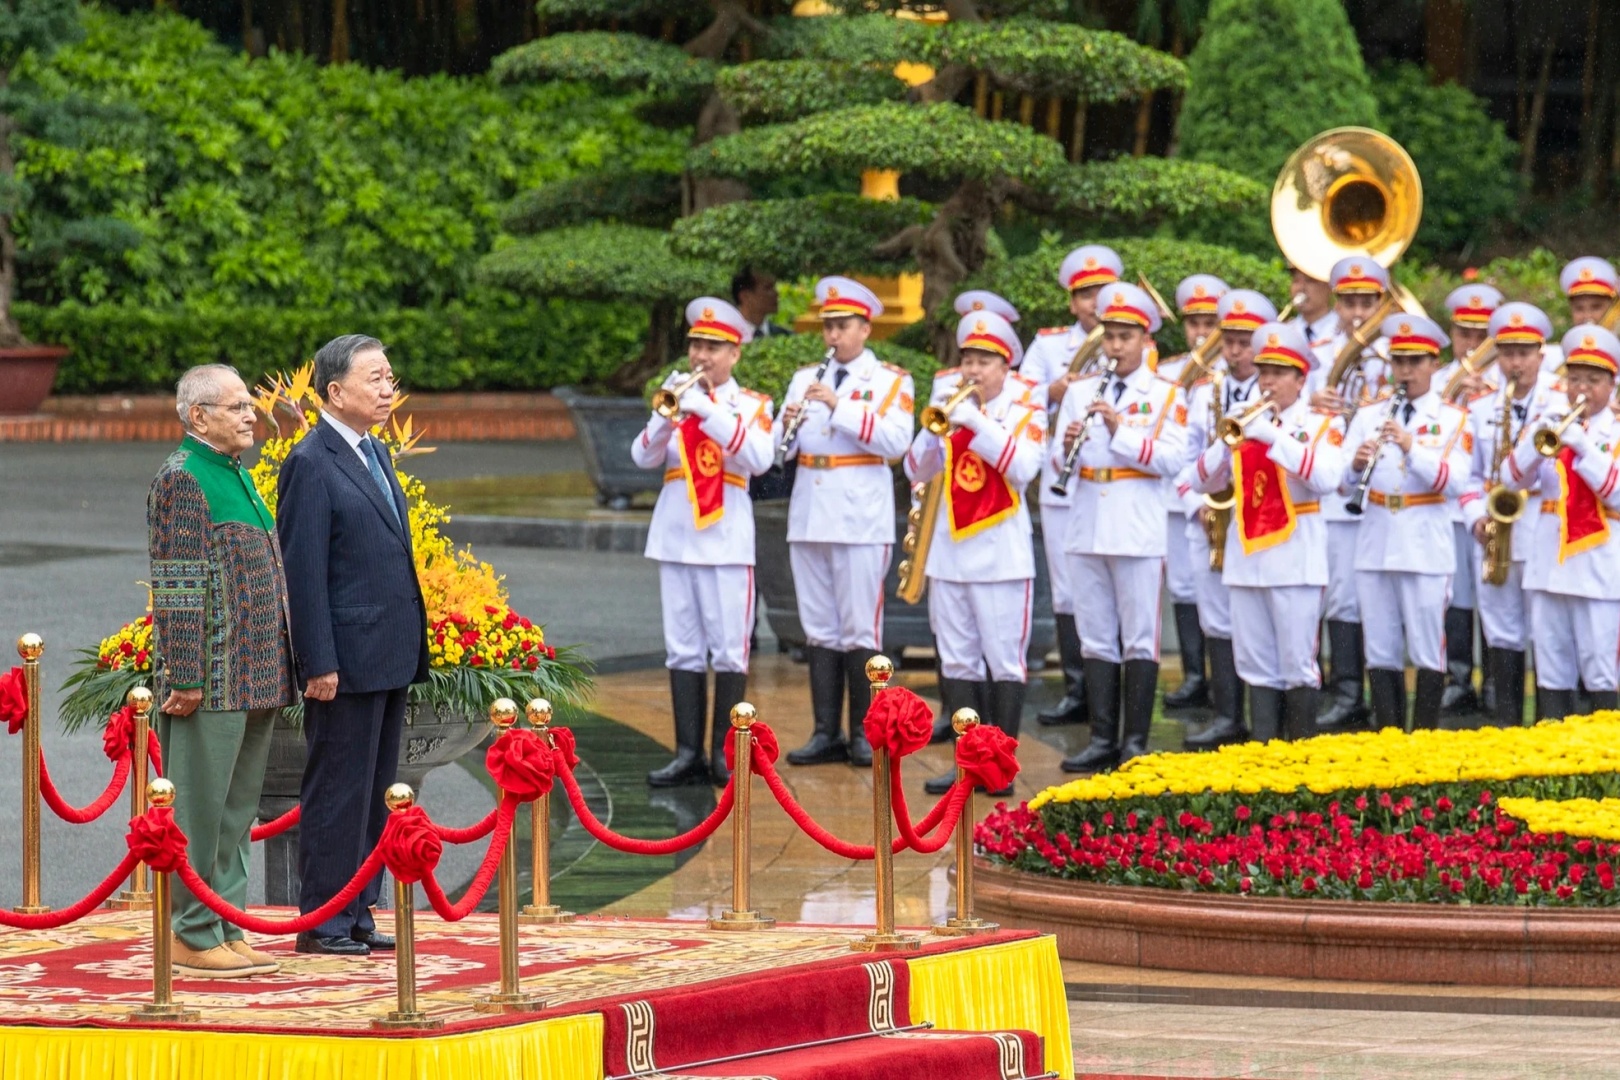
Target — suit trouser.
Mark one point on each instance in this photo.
(1116, 606)
(1214, 597)
(1403, 608)
(840, 593)
(216, 760)
(353, 745)
(981, 623)
(1575, 637)
(1341, 603)
(1502, 611)
(1179, 565)
(708, 616)
(1276, 635)
(1054, 524)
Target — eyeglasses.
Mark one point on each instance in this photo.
(239, 408)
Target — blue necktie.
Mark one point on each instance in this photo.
(368, 448)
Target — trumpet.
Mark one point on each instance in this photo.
(1503, 505)
(1231, 428)
(790, 433)
(1550, 440)
(1061, 485)
(1358, 499)
(666, 400)
(937, 418)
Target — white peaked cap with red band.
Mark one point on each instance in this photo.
(1199, 294)
(990, 332)
(1590, 276)
(1519, 323)
(1092, 264)
(713, 319)
(1414, 334)
(1592, 346)
(985, 300)
(839, 296)
(1473, 305)
(1283, 345)
(1358, 274)
(1244, 309)
(1123, 302)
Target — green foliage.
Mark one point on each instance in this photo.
(1149, 188)
(603, 10)
(800, 237)
(853, 39)
(599, 261)
(943, 141)
(1035, 57)
(630, 198)
(1265, 76)
(614, 61)
(1532, 278)
(36, 26)
(788, 89)
(1465, 158)
(459, 346)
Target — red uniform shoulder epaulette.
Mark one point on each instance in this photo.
(896, 368)
(755, 394)
(1047, 331)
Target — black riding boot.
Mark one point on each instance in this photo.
(1345, 710)
(1102, 705)
(1299, 712)
(954, 694)
(1459, 697)
(860, 700)
(1226, 695)
(730, 688)
(827, 706)
(1604, 699)
(688, 694)
(1266, 713)
(1388, 697)
(1141, 687)
(1431, 686)
(942, 721)
(1554, 704)
(1507, 677)
(1194, 690)
(1072, 708)
(1007, 713)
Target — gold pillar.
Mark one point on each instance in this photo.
(137, 897)
(541, 911)
(880, 669)
(742, 915)
(965, 922)
(400, 798)
(162, 1008)
(510, 997)
(31, 647)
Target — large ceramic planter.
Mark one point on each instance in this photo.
(430, 739)
(606, 427)
(26, 377)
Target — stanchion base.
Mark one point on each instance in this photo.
(741, 920)
(171, 1013)
(397, 1021)
(131, 901)
(508, 1003)
(31, 909)
(543, 914)
(875, 942)
(965, 927)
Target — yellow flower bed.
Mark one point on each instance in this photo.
(1385, 759)
(1595, 819)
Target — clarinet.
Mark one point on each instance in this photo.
(1358, 501)
(1061, 485)
(791, 432)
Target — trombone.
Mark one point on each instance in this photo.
(937, 418)
(1550, 440)
(1231, 428)
(666, 400)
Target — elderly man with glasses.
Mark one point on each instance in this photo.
(219, 615)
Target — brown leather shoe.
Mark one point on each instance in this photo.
(215, 963)
(253, 956)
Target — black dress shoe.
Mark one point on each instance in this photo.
(374, 941)
(330, 945)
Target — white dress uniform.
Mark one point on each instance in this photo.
(1214, 598)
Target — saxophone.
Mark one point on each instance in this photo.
(1219, 521)
(1503, 504)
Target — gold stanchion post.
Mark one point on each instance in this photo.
(964, 922)
(879, 670)
(742, 915)
(162, 1009)
(541, 911)
(137, 897)
(30, 647)
(400, 798)
(510, 997)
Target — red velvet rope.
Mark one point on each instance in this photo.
(692, 837)
(154, 753)
(486, 873)
(801, 817)
(276, 827)
(949, 810)
(476, 831)
(13, 700)
(50, 920)
(75, 815)
(297, 924)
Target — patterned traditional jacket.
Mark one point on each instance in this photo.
(219, 597)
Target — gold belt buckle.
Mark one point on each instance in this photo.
(1103, 476)
(1394, 503)
(820, 461)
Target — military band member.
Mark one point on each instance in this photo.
(1591, 284)
(702, 535)
(1574, 561)
(1358, 285)
(1316, 317)
(858, 418)
(1197, 298)
(1420, 449)
(981, 564)
(1048, 364)
(1131, 429)
(1276, 548)
(1240, 313)
(1520, 331)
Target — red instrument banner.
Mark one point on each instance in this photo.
(976, 496)
(1581, 524)
(1264, 510)
(703, 466)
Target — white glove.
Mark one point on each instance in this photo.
(1574, 437)
(968, 415)
(1263, 431)
(697, 403)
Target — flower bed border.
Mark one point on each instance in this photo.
(1307, 939)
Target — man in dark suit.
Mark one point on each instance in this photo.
(358, 627)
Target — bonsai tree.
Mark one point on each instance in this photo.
(822, 106)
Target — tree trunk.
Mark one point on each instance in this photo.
(716, 118)
(1077, 139)
(951, 248)
(1443, 49)
(1144, 124)
(340, 32)
(10, 335)
(1538, 105)
(630, 379)
(1594, 104)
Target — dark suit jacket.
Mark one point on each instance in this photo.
(351, 579)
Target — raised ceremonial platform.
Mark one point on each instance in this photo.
(621, 998)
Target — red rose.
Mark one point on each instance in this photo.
(126, 648)
(14, 699)
(1241, 813)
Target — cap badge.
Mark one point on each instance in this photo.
(1355, 269)
(978, 305)
(978, 327)
(1406, 328)
(1586, 273)
(1273, 340)
(1517, 319)
(832, 292)
(1588, 342)
(1239, 307)
(1198, 290)
(708, 313)
(1091, 263)
(1475, 301)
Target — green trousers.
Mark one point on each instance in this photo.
(216, 761)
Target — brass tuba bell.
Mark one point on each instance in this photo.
(1347, 191)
